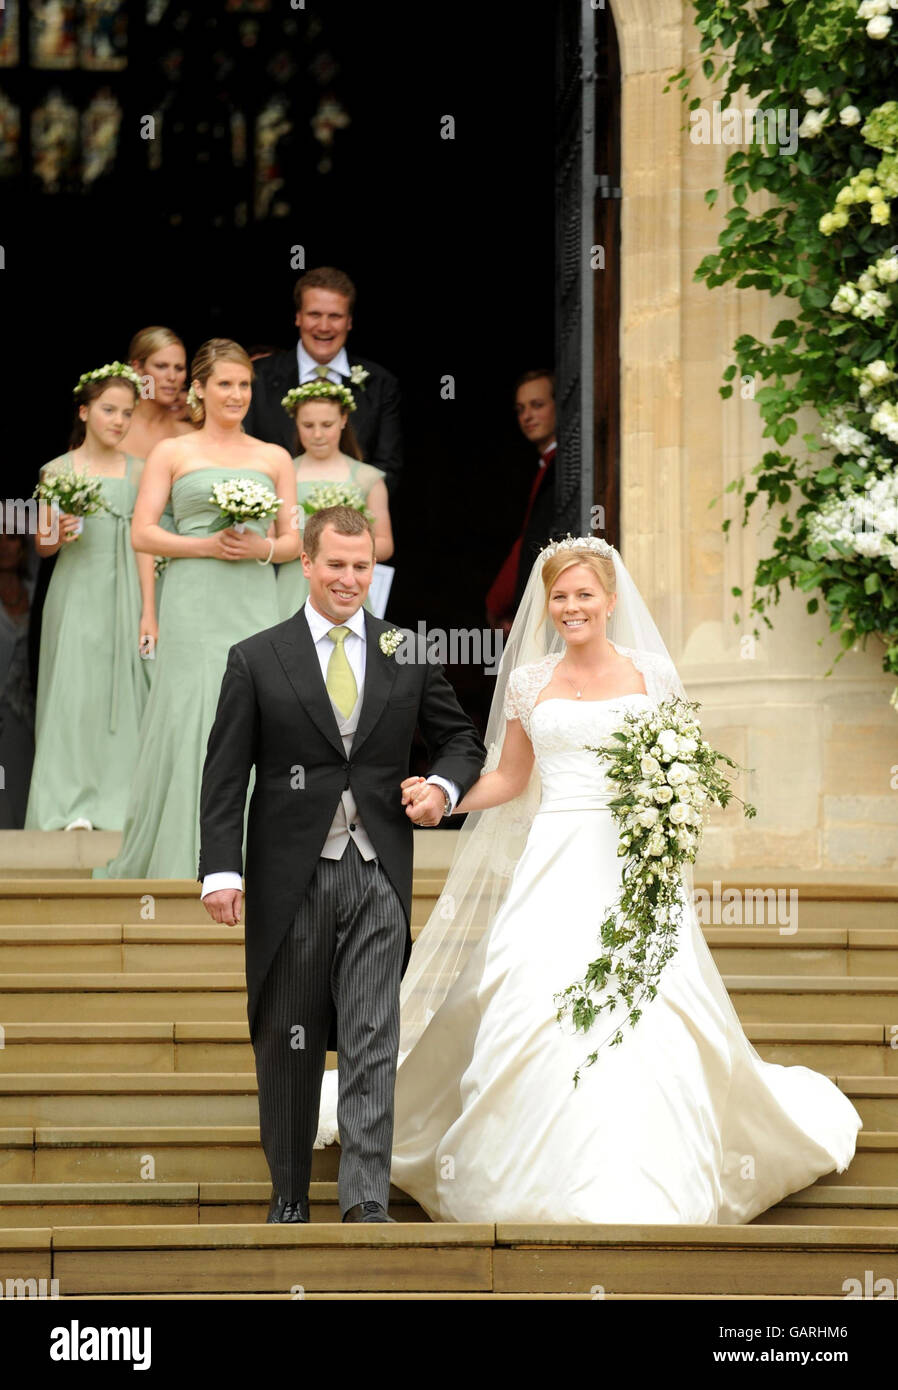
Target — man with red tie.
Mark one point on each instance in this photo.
(535, 408)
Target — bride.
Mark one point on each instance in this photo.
(682, 1121)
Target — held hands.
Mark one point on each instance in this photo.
(424, 802)
(224, 906)
(236, 545)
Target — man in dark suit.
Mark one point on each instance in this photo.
(535, 410)
(324, 300)
(326, 710)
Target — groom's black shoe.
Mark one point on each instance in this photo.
(281, 1211)
(367, 1211)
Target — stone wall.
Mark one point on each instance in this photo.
(822, 749)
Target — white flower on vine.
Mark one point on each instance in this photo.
(849, 115)
(813, 123)
(813, 96)
(886, 270)
(869, 9)
(879, 27)
(844, 299)
(872, 304)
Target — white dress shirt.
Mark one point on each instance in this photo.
(337, 367)
(355, 647)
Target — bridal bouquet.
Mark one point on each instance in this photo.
(73, 493)
(242, 500)
(668, 778)
(336, 495)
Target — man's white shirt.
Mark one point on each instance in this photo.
(355, 647)
(337, 367)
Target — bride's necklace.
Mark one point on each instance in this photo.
(578, 694)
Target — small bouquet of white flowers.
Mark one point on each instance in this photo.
(336, 495)
(75, 493)
(668, 778)
(242, 500)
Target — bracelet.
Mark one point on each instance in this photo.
(270, 553)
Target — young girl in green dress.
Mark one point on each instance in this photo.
(329, 457)
(99, 617)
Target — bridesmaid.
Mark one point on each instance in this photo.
(329, 454)
(160, 360)
(219, 588)
(99, 611)
(158, 357)
(16, 698)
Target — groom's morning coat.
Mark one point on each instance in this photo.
(274, 712)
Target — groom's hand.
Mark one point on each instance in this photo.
(224, 906)
(424, 802)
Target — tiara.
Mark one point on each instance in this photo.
(577, 543)
(318, 391)
(111, 369)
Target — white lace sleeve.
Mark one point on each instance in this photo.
(524, 685)
(659, 673)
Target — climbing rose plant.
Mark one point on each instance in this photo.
(815, 224)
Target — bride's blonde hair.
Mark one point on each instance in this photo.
(602, 567)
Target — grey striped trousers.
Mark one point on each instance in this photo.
(343, 954)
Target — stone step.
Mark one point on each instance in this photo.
(843, 1206)
(821, 904)
(859, 1049)
(215, 1203)
(128, 1098)
(814, 998)
(78, 948)
(196, 1153)
(165, 1204)
(223, 1098)
(328, 1258)
(34, 997)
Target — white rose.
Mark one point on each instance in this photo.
(663, 794)
(845, 298)
(669, 743)
(813, 123)
(655, 846)
(648, 817)
(649, 765)
(868, 9)
(866, 282)
(677, 773)
(879, 27)
(688, 746)
(849, 115)
(679, 814)
(887, 270)
(879, 372)
(814, 97)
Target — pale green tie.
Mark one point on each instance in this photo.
(323, 372)
(341, 686)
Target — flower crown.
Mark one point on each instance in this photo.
(577, 543)
(111, 369)
(319, 390)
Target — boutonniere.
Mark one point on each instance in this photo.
(358, 375)
(390, 641)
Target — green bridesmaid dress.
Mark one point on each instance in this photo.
(93, 684)
(207, 605)
(293, 587)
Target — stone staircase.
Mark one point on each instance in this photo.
(130, 1163)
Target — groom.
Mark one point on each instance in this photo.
(325, 712)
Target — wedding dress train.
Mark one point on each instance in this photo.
(681, 1122)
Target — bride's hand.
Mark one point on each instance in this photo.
(407, 786)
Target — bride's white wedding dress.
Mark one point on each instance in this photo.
(680, 1122)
